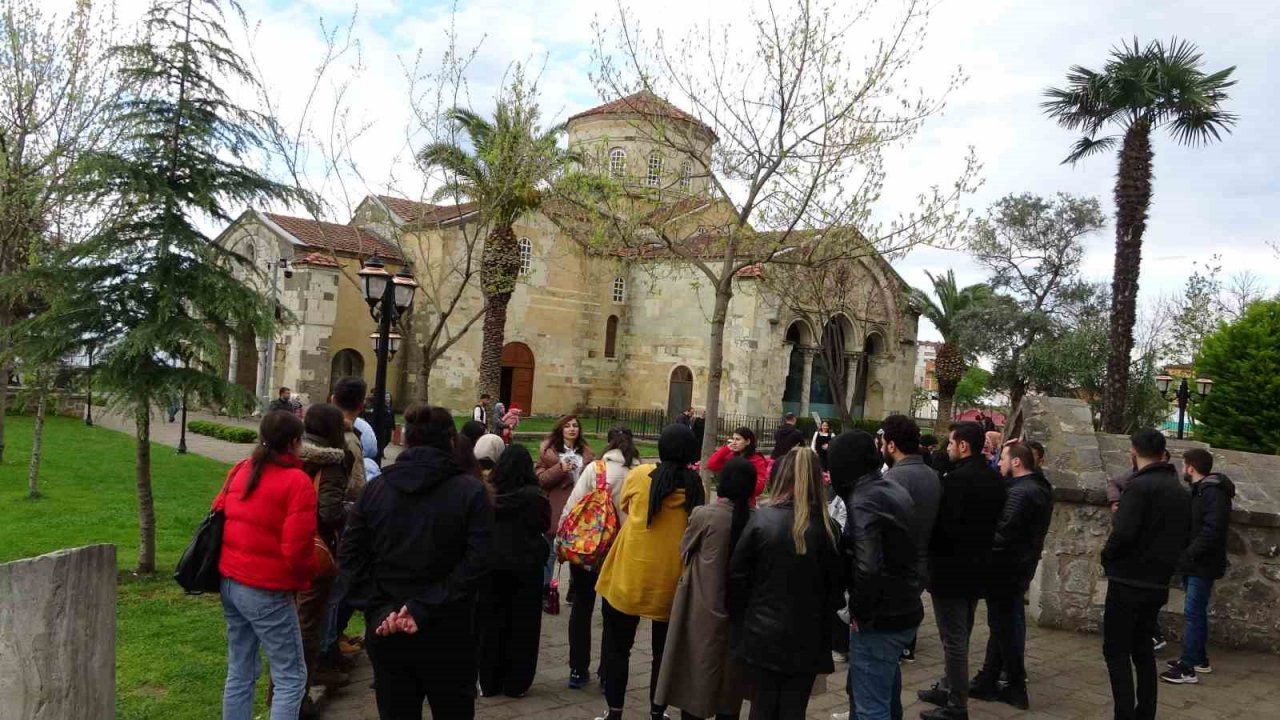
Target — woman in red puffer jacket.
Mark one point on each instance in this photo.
(267, 546)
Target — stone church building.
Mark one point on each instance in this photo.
(583, 330)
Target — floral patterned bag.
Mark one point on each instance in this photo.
(587, 533)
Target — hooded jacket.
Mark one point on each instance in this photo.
(1206, 556)
(419, 537)
(333, 465)
(615, 472)
(1020, 532)
(1150, 529)
(960, 548)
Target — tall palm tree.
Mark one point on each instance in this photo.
(950, 364)
(506, 167)
(1140, 89)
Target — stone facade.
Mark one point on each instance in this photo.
(58, 635)
(1070, 587)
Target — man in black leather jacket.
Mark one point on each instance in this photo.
(884, 585)
(1019, 540)
(1149, 535)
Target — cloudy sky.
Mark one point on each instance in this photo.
(1208, 200)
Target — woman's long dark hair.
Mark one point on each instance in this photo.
(514, 470)
(677, 449)
(429, 426)
(750, 436)
(555, 439)
(277, 433)
(326, 422)
(620, 439)
(736, 483)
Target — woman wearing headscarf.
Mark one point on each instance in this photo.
(511, 601)
(639, 577)
(697, 673)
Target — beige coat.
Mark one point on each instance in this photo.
(698, 674)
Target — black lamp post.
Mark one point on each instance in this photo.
(88, 397)
(389, 297)
(1182, 394)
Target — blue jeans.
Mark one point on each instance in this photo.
(266, 618)
(1195, 649)
(875, 673)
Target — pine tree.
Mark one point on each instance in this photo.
(151, 291)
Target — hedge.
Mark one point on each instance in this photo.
(230, 433)
(807, 426)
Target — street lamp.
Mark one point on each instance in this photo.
(1182, 394)
(390, 297)
(88, 395)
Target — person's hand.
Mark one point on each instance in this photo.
(565, 466)
(400, 621)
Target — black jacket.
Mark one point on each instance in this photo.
(520, 522)
(960, 547)
(1206, 556)
(781, 603)
(878, 542)
(419, 537)
(1020, 532)
(1150, 531)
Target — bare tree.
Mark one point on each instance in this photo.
(786, 149)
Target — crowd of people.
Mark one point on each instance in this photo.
(815, 555)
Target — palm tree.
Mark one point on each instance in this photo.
(1139, 90)
(949, 365)
(506, 167)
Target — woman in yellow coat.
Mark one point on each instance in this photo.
(639, 576)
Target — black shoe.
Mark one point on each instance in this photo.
(1158, 643)
(578, 680)
(945, 713)
(984, 687)
(1180, 675)
(1015, 695)
(934, 696)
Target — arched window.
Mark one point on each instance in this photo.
(611, 337)
(655, 169)
(526, 256)
(617, 162)
(619, 289)
(686, 175)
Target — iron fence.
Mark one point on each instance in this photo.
(648, 424)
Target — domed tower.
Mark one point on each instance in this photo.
(646, 142)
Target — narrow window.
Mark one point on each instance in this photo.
(526, 256)
(617, 162)
(655, 169)
(686, 175)
(611, 337)
(619, 289)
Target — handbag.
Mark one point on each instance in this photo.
(197, 570)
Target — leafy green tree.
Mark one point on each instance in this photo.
(1243, 358)
(1140, 89)
(151, 290)
(972, 388)
(506, 167)
(944, 310)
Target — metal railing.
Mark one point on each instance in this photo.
(648, 424)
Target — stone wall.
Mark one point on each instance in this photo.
(1070, 587)
(58, 635)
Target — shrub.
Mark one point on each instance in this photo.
(1243, 359)
(230, 433)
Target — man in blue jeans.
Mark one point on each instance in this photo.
(878, 543)
(1203, 562)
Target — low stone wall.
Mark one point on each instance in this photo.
(1070, 588)
(58, 635)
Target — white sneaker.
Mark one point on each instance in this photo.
(839, 657)
(840, 716)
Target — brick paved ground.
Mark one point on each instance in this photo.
(1068, 681)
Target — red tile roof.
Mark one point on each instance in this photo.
(643, 103)
(315, 258)
(336, 238)
(412, 211)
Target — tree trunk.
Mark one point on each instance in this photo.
(1133, 197)
(500, 265)
(37, 443)
(146, 503)
(1017, 391)
(424, 376)
(5, 367)
(715, 374)
(946, 401)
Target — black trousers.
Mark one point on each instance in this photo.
(1006, 645)
(431, 665)
(619, 637)
(584, 604)
(839, 635)
(778, 696)
(1127, 619)
(510, 624)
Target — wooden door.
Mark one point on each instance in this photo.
(518, 366)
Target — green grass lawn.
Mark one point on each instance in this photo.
(170, 648)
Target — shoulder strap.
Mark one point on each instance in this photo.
(221, 500)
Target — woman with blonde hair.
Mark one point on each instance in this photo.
(784, 584)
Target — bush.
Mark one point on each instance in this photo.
(807, 426)
(1243, 359)
(230, 433)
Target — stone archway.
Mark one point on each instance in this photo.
(679, 391)
(345, 363)
(517, 376)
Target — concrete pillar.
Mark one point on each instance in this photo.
(263, 382)
(233, 362)
(808, 353)
(852, 361)
(787, 347)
